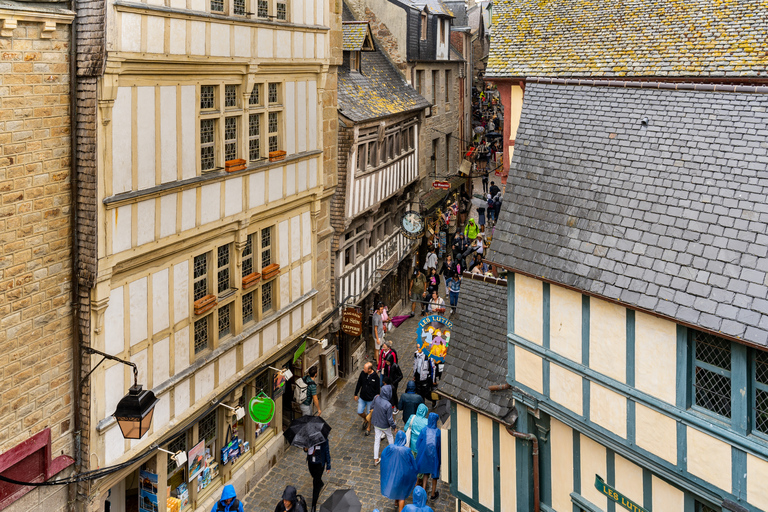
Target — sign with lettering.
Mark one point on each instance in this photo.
(442, 185)
(352, 321)
(616, 496)
(433, 335)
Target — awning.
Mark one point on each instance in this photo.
(433, 198)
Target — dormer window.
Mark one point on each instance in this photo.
(357, 38)
(354, 61)
(423, 26)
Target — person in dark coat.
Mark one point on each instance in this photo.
(228, 501)
(382, 419)
(318, 459)
(409, 401)
(395, 375)
(289, 503)
(368, 386)
(494, 189)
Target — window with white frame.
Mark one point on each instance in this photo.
(266, 247)
(267, 299)
(230, 137)
(282, 10)
(264, 120)
(200, 276)
(223, 262)
(217, 5)
(262, 8)
(202, 334)
(247, 260)
(249, 314)
(225, 321)
(238, 7)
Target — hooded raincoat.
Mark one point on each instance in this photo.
(410, 401)
(234, 506)
(382, 409)
(419, 501)
(398, 470)
(472, 229)
(428, 448)
(289, 494)
(417, 422)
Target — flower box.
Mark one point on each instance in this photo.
(274, 156)
(270, 271)
(237, 164)
(251, 279)
(204, 304)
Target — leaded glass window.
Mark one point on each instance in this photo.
(230, 138)
(222, 264)
(254, 137)
(712, 382)
(201, 334)
(761, 391)
(207, 144)
(200, 276)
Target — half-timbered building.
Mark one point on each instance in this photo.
(380, 118)
(203, 232)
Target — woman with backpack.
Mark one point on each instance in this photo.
(291, 501)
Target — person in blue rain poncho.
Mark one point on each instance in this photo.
(417, 422)
(419, 501)
(398, 471)
(228, 501)
(428, 455)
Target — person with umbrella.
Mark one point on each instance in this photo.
(398, 471)
(318, 459)
(342, 500)
(382, 420)
(290, 501)
(228, 501)
(300, 431)
(428, 455)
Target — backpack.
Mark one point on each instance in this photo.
(302, 502)
(300, 390)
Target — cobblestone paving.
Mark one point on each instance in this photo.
(351, 452)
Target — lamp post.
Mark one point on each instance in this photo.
(134, 411)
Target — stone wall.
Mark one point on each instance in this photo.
(36, 326)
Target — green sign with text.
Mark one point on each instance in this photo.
(616, 496)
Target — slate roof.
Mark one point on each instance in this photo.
(379, 90)
(665, 38)
(459, 10)
(434, 6)
(477, 355)
(670, 217)
(353, 35)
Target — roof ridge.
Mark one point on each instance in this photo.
(651, 84)
(484, 278)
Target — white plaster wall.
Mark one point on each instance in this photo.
(295, 284)
(145, 222)
(608, 409)
(197, 5)
(219, 40)
(485, 466)
(130, 32)
(161, 362)
(242, 41)
(301, 112)
(188, 209)
(251, 349)
(155, 34)
(114, 387)
(306, 234)
(313, 173)
(565, 322)
(301, 181)
(227, 365)
(296, 319)
(160, 302)
(284, 287)
(656, 357)
(233, 192)
(307, 308)
(197, 38)
(178, 37)
(297, 11)
(593, 462)
(180, 291)
(628, 478)
(114, 324)
(168, 215)
(204, 382)
(608, 339)
(298, 45)
(121, 229)
(121, 141)
(295, 238)
(145, 136)
(283, 41)
(290, 180)
(140, 360)
(181, 349)
(275, 184)
(528, 369)
(168, 118)
(665, 497)
(283, 238)
(321, 41)
(180, 398)
(265, 43)
(307, 277)
(290, 113)
(709, 458)
(656, 433)
(210, 203)
(188, 132)
(137, 310)
(285, 327)
(312, 105)
(528, 308)
(565, 388)
(757, 476)
(162, 414)
(269, 338)
(464, 450)
(256, 189)
(562, 465)
(114, 445)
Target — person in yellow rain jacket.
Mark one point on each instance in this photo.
(471, 229)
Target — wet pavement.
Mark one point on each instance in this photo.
(351, 452)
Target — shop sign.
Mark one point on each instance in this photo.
(442, 185)
(433, 335)
(413, 224)
(352, 321)
(616, 496)
(261, 408)
(299, 351)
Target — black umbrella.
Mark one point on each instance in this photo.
(443, 409)
(343, 500)
(307, 431)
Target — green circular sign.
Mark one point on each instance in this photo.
(261, 408)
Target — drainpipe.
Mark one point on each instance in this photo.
(535, 453)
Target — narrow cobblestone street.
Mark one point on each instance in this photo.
(351, 452)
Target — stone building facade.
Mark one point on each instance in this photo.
(36, 342)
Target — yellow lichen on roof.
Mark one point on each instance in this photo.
(702, 38)
(353, 34)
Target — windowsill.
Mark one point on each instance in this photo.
(188, 13)
(218, 174)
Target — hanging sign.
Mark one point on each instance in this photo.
(442, 185)
(616, 496)
(299, 351)
(278, 385)
(352, 321)
(433, 335)
(413, 224)
(261, 408)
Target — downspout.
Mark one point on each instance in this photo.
(535, 452)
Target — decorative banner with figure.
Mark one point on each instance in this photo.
(433, 335)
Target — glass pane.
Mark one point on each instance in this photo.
(206, 427)
(177, 445)
(201, 265)
(254, 149)
(239, 7)
(206, 131)
(230, 96)
(225, 324)
(263, 11)
(713, 350)
(713, 392)
(254, 125)
(273, 143)
(761, 410)
(247, 308)
(761, 367)
(266, 297)
(273, 93)
(255, 97)
(201, 334)
(281, 12)
(223, 266)
(217, 5)
(207, 97)
(272, 122)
